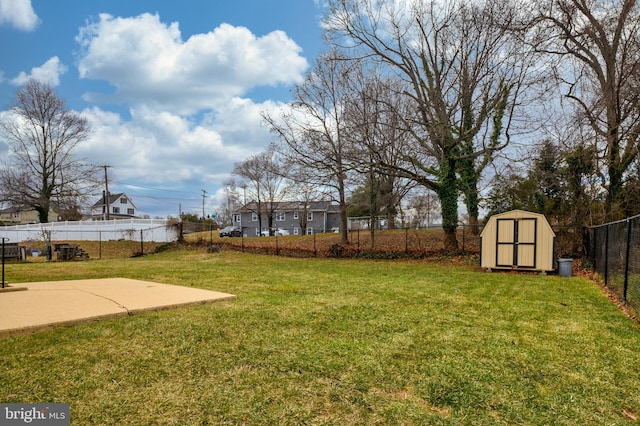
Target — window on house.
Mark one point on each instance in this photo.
(309, 230)
(295, 215)
(115, 210)
(280, 216)
(254, 217)
(236, 218)
(123, 200)
(296, 231)
(309, 216)
(130, 211)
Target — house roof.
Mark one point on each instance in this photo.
(14, 209)
(292, 206)
(112, 199)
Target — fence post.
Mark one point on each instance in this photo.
(3, 238)
(315, 249)
(463, 228)
(406, 240)
(626, 263)
(606, 254)
(593, 241)
(141, 242)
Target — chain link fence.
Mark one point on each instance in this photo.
(379, 243)
(614, 252)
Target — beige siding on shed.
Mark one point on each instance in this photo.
(518, 240)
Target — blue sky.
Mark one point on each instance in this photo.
(174, 89)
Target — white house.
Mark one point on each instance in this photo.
(116, 206)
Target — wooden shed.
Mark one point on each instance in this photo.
(518, 240)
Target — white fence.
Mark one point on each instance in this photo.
(156, 230)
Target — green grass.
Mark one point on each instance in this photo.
(336, 342)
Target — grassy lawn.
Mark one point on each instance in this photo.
(326, 341)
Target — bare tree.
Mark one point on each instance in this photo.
(42, 171)
(265, 183)
(312, 135)
(465, 72)
(305, 193)
(599, 41)
(424, 208)
(375, 112)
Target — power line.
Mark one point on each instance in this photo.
(149, 187)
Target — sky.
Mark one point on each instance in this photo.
(174, 90)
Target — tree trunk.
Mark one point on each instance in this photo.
(373, 208)
(270, 225)
(612, 203)
(448, 195)
(344, 232)
(473, 224)
(471, 201)
(43, 214)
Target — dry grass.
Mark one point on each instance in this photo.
(100, 249)
(415, 243)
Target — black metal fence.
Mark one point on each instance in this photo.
(400, 242)
(614, 251)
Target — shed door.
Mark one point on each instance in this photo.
(516, 242)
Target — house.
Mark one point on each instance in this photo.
(22, 216)
(290, 217)
(116, 206)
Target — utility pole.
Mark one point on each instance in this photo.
(106, 194)
(204, 194)
(3, 240)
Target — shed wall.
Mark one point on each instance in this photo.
(533, 250)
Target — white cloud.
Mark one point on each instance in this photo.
(19, 14)
(49, 72)
(240, 121)
(148, 62)
(156, 147)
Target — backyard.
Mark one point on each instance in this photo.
(334, 341)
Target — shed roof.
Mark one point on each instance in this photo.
(519, 214)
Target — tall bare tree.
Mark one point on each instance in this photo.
(42, 172)
(312, 135)
(265, 183)
(424, 208)
(599, 41)
(465, 71)
(375, 112)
